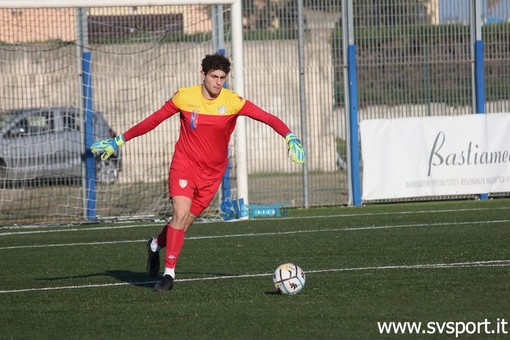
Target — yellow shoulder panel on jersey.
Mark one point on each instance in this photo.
(190, 99)
(229, 102)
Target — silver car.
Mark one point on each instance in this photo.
(47, 143)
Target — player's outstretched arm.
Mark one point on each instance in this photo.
(295, 147)
(296, 150)
(107, 146)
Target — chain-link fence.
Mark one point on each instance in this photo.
(413, 59)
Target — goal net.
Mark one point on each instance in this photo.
(69, 71)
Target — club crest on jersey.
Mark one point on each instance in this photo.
(183, 183)
(194, 120)
(222, 110)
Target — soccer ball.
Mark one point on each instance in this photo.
(289, 279)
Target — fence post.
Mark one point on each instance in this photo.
(90, 163)
(478, 67)
(89, 185)
(219, 47)
(302, 96)
(238, 80)
(351, 103)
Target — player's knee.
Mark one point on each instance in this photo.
(190, 221)
(179, 219)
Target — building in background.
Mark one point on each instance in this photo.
(457, 11)
(60, 23)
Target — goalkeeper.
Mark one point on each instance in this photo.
(208, 114)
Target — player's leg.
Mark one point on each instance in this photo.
(174, 240)
(185, 212)
(182, 187)
(160, 241)
(154, 245)
(153, 256)
(191, 219)
(179, 184)
(175, 232)
(173, 235)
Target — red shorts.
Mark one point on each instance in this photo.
(188, 184)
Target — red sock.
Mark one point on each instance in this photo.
(162, 236)
(174, 242)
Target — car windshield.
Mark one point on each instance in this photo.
(7, 117)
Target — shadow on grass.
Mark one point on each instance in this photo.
(138, 279)
(132, 278)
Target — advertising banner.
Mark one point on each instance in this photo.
(435, 156)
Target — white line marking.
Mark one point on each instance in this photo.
(68, 229)
(439, 224)
(74, 229)
(489, 263)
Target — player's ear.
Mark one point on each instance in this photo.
(203, 75)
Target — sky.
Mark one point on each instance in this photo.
(458, 11)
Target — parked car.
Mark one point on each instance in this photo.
(48, 143)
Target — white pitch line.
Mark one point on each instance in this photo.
(67, 229)
(489, 263)
(70, 244)
(439, 224)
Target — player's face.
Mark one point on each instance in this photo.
(213, 83)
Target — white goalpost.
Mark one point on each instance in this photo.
(236, 78)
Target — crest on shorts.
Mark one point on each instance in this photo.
(183, 183)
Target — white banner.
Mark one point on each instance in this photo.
(435, 156)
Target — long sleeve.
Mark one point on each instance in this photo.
(152, 121)
(253, 111)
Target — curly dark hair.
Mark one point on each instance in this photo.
(215, 62)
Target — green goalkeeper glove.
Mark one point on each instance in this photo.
(296, 151)
(107, 146)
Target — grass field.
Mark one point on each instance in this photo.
(439, 263)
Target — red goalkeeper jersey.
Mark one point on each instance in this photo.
(206, 127)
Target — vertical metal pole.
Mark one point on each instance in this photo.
(479, 61)
(219, 47)
(302, 96)
(346, 97)
(217, 31)
(351, 106)
(238, 80)
(89, 185)
(90, 163)
(478, 65)
(427, 80)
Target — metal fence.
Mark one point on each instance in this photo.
(413, 58)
